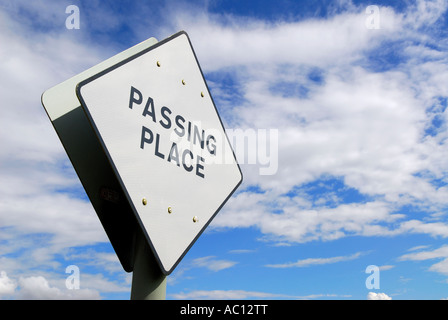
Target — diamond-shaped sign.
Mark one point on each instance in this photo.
(161, 133)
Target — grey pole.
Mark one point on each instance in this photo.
(148, 281)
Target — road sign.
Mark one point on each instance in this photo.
(160, 133)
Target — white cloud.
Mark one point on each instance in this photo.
(243, 294)
(106, 261)
(315, 261)
(7, 285)
(72, 221)
(440, 267)
(242, 251)
(225, 295)
(209, 262)
(213, 264)
(427, 12)
(356, 123)
(242, 41)
(98, 282)
(435, 229)
(294, 220)
(291, 219)
(386, 267)
(440, 253)
(416, 248)
(32, 288)
(41, 287)
(38, 288)
(378, 296)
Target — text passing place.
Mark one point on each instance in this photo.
(158, 125)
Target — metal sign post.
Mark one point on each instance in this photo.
(148, 281)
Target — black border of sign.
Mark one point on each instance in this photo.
(92, 122)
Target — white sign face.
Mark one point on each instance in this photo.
(160, 129)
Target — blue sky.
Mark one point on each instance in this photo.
(361, 172)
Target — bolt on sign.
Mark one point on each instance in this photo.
(146, 140)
